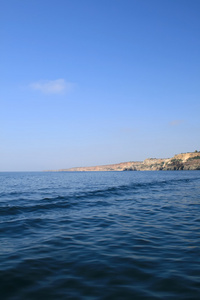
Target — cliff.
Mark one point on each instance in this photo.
(183, 161)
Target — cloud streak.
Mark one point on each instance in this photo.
(58, 86)
(176, 122)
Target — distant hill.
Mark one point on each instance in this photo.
(183, 161)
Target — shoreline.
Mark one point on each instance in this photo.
(183, 161)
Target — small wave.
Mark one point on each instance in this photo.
(118, 190)
(69, 201)
(14, 210)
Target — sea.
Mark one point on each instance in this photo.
(100, 235)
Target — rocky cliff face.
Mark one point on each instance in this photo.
(184, 161)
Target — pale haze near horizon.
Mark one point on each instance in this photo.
(97, 82)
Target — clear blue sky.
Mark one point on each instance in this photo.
(97, 81)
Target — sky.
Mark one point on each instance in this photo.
(97, 82)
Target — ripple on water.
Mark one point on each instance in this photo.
(128, 235)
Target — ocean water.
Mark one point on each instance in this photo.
(100, 235)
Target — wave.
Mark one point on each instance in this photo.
(69, 201)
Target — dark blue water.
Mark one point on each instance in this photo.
(100, 235)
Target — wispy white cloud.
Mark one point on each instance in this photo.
(176, 122)
(127, 130)
(57, 86)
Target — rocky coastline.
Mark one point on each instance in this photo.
(183, 161)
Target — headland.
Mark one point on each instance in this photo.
(183, 161)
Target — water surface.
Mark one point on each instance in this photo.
(100, 235)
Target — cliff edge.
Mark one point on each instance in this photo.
(183, 161)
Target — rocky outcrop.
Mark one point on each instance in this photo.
(183, 161)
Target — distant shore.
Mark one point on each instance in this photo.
(183, 161)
